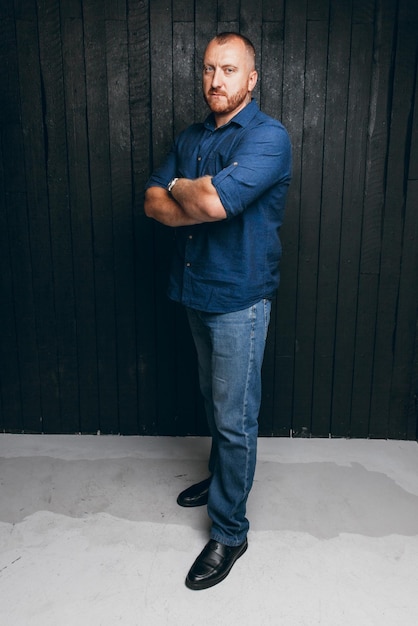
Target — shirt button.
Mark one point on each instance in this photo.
(190, 236)
(188, 264)
(199, 158)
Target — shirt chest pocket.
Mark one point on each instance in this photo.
(220, 154)
(198, 164)
(212, 163)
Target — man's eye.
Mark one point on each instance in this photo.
(208, 70)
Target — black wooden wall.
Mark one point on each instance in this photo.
(91, 95)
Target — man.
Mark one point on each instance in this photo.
(223, 186)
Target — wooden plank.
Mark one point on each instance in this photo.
(6, 10)
(50, 48)
(183, 74)
(266, 415)
(354, 174)
(378, 137)
(162, 137)
(382, 422)
(183, 10)
(400, 424)
(412, 432)
(310, 224)
(205, 29)
(363, 12)
(9, 103)
(70, 9)
(100, 189)
(187, 416)
(411, 202)
(139, 90)
(161, 80)
(273, 11)
(271, 79)
(115, 10)
(25, 10)
(14, 170)
(251, 15)
(27, 349)
(363, 354)
(318, 10)
(403, 413)
(372, 215)
(283, 396)
(38, 219)
(413, 154)
(228, 14)
(120, 162)
(293, 103)
(269, 63)
(140, 98)
(13, 164)
(331, 209)
(185, 420)
(271, 73)
(11, 418)
(19, 370)
(228, 27)
(81, 223)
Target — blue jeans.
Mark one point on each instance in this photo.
(230, 349)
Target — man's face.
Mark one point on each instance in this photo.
(228, 78)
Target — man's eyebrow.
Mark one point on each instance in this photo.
(222, 66)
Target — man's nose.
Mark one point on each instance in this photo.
(217, 78)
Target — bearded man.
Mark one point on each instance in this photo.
(223, 188)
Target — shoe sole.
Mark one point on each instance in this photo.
(191, 505)
(212, 583)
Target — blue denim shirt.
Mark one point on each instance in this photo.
(229, 265)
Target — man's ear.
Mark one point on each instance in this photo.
(252, 80)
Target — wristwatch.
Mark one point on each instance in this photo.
(171, 184)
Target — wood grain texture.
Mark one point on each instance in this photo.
(93, 94)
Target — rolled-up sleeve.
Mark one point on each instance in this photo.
(260, 161)
(165, 172)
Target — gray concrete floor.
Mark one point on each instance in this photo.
(91, 535)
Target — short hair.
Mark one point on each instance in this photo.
(226, 36)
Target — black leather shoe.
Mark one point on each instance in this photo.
(213, 564)
(196, 495)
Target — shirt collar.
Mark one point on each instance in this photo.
(243, 118)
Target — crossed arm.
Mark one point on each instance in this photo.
(189, 202)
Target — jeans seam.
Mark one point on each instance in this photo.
(245, 407)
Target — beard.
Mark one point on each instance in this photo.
(227, 104)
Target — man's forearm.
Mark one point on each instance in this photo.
(189, 202)
(161, 206)
(199, 199)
